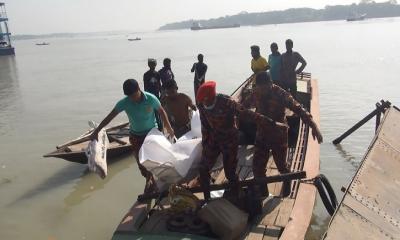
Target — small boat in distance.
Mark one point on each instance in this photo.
(197, 26)
(42, 44)
(356, 17)
(134, 39)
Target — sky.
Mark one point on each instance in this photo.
(56, 16)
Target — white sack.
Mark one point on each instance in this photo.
(195, 125)
(96, 152)
(168, 163)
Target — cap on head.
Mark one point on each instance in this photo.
(206, 91)
(263, 78)
(130, 86)
(274, 45)
(152, 60)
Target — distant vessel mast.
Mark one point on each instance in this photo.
(6, 47)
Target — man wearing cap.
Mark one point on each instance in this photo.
(258, 63)
(151, 79)
(220, 134)
(165, 72)
(177, 106)
(271, 101)
(139, 106)
(152, 84)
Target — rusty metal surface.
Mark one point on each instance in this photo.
(370, 208)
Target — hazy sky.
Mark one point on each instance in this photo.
(50, 16)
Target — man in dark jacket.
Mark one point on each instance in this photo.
(151, 79)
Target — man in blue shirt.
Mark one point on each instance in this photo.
(140, 107)
(275, 63)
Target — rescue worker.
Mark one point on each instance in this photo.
(271, 101)
(220, 134)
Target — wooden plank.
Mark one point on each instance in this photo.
(272, 186)
(303, 207)
(272, 233)
(277, 189)
(256, 233)
(221, 177)
(284, 212)
(270, 211)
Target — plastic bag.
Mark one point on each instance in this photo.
(96, 152)
(169, 163)
(195, 126)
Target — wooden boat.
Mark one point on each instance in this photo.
(281, 218)
(42, 44)
(370, 206)
(74, 150)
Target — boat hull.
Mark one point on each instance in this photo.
(80, 157)
(7, 51)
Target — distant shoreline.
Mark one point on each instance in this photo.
(296, 15)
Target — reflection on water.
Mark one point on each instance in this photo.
(9, 92)
(318, 227)
(61, 177)
(347, 156)
(91, 182)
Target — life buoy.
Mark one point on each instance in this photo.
(326, 193)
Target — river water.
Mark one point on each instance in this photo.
(48, 93)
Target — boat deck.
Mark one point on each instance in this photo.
(281, 218)
(370, 208)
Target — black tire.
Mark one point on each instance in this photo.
(331, 192)
(326, 193)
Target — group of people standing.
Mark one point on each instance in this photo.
(162, 85)
(219, 114)
(282, 67)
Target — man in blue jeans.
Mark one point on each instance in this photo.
(139, 107)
